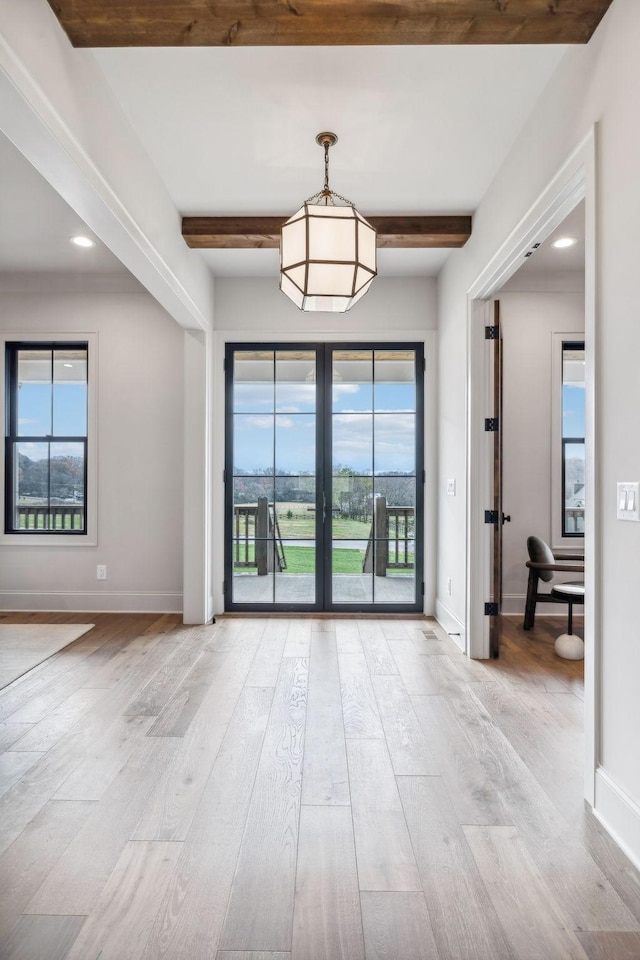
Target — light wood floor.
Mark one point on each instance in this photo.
(293, 789)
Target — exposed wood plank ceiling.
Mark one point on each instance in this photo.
(171, 23)
(415, 232)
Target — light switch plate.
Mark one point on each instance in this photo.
(451, 488)
(628, 501)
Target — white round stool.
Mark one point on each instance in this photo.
(568, 645)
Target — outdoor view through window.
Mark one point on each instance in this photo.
(47, 438)
(573, 436)
(324, 468)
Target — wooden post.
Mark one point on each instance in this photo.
(381, 543)
(261, 534)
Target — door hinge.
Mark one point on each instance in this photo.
(491, 516)
(424, 476)
(491, 333)
(491, 425)
(224, 364)
(424, 364)
(491, 610)
(422, 588)
(224, 587)
(224, 476)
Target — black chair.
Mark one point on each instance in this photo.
(543, 565)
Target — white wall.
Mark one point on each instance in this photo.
(402, 309)
(393, 303)
(599, 84)
(529, 321)
(140, 432)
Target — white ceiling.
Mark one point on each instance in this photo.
(548, 259)
(421, 129)
(36, 224)
(232, 131)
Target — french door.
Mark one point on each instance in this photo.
(324, 477)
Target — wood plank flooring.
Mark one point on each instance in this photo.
(302, 789)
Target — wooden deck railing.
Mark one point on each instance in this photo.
(67, 516)
(256, 526)
(574, 519)
(392, 534)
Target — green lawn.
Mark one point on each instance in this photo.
(302, 560)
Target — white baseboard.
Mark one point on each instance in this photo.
(619, 815)
(81, 601)
(513, 604)
(450, 623)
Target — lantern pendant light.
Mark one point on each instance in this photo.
(327, 249)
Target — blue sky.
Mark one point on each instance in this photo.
(573, 411)
(34, 413)
(358, 435)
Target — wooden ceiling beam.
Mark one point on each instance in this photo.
(247, 233)
(193, 23)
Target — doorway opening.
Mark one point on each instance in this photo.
(324, 477)
(539, 383)
(574, 183)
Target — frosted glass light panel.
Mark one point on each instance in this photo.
(274, 477)
(374, 444)
(327, 257)
(573, 439)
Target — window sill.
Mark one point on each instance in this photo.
(43, 540)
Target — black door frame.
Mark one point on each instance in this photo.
(324, 485)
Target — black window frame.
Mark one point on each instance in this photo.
(565, 442)
(12, 438)
(324, 601)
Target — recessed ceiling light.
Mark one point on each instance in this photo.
(564, 242)
(81, 241)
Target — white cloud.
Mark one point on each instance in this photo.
(259, 423)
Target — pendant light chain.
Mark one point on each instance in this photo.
(326, 195)
(326, 192)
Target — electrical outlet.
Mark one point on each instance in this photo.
(451, 488)
(101, 571)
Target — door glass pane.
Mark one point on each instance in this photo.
(253, 451)
(295, 444)
(395, 443)
(295, 382)
(352, 507)
(374, 479)
(352, 581)
(394, 380)
(253, 382)
(295, 507)
(295, 577)
(352, 380)
(274, 483)
(353, 442)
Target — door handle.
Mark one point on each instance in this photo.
(506, 518)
